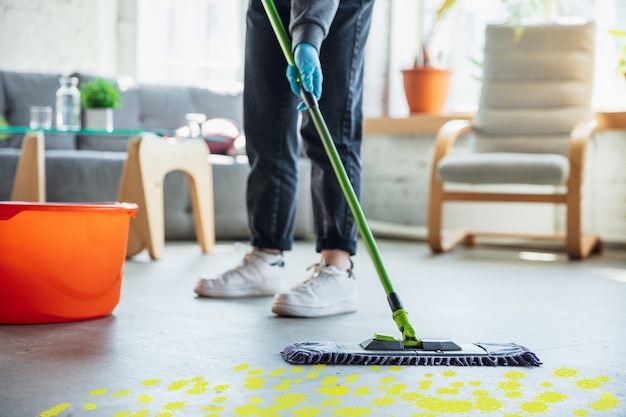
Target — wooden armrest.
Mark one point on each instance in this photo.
(447, 136)
(579, 137)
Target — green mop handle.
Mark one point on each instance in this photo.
(400, 316)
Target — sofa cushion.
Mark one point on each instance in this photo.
(164, 107)
(25, 89)
(216, 104)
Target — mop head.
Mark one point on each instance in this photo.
(477, 354)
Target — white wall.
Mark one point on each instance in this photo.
(67, 35)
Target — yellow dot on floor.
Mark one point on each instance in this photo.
(449, 374)
(352, 412)
(307, 412)
(254, 383)
(510, 386)
(448, 391)
(588, 383)
(98, 392)
(488, 404)
(312, 375)
(581, 413)
(176, 405)
(411, 396)
(331, 402)
(383, 401)
(362, 391)
(278, 372)
(176, 385)
(514, 375)
(425, 384)
(144, 399)
(150, 382)
(330, 380)
(296, 369)
(90, 406)
(255, 372)
(565, 372)
(221, 387)
(607, 402)
(396, 389)
(55, 411)
(480, 393)
(534, 407)
(122, 393)
(551, 397)
(241, 367)
(387, 380)
(513, 394)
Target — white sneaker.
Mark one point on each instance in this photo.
(258, 274)
(327, 292)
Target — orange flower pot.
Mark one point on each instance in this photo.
(426, 89)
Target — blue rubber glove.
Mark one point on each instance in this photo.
(308, 62)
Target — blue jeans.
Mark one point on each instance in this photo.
(271, 127)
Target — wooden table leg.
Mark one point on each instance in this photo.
(30, 177)
(150, 158)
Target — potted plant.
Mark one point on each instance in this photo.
(99, 97)
(425, 85)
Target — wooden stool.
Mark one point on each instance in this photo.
(150, 158)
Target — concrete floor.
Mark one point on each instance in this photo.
(165, 352)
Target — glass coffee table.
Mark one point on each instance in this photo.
(151, 155)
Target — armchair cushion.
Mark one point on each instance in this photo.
(538, 82)
(504, 168)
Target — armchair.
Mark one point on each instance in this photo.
(532, 127)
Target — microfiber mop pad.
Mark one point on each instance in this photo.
(477, 354)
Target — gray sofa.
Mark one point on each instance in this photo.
(87, 168)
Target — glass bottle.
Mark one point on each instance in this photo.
(68, 104)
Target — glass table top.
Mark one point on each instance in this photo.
(104, 132)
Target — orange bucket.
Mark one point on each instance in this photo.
(61, 262)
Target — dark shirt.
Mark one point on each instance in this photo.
(310, 20)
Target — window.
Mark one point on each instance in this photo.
(190, 42)
(201, 42)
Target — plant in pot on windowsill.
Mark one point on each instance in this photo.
(98, 98)
(425, 84)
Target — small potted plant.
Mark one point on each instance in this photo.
(99, 97)
(425, 84)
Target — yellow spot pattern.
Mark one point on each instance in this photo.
(325, 391)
